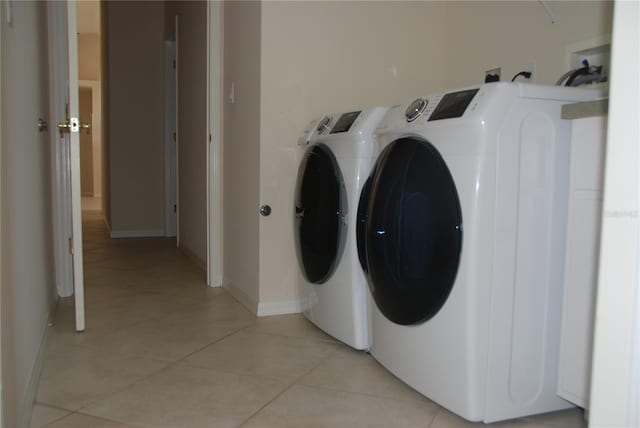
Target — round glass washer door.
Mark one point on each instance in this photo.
(410, 234)
(320, 213)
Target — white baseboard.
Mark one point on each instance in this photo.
(29, 398)
(266, 309)
(216, 282)
(155, 233)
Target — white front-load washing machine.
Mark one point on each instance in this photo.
(461, 233)
(330, 177)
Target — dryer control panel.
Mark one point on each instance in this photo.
(343, 124)
(439, 106)
(453, 104)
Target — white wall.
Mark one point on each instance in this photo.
(321, 57)
(241, 148)
(27, 282)
(481, 35)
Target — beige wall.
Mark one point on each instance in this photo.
(192, 126)
(89, 57)
(27, 281)
(321, 57)
(86, 145)
(241, 147)
(136, 113)
(509, 34)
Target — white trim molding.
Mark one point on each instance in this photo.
(214, 146)
(151, 233)
(31, 390)
(266, 309)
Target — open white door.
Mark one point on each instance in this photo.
(74, 161)
(65, 108)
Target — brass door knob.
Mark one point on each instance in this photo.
(72, 125)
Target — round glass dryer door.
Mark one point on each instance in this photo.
(321, 209)
(412, 232)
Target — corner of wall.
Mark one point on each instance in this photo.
(241, 297)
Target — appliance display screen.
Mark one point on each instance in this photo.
(345, 121)
(453, 104)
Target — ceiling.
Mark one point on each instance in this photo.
(89, 17)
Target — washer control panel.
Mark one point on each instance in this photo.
(415, 109)
(324, 125)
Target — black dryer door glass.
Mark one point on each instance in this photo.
(413, 232)
(321, 208)
(361, 224)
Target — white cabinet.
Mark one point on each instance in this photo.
(581, 266)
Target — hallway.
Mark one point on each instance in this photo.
(162, 349)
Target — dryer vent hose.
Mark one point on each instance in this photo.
(582, 75)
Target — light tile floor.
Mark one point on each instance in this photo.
(162, 349)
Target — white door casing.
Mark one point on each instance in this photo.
(176, 53)
(214, 149)
(170, 134)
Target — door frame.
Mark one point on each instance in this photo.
(170, 141)
(214, 148)
(60, 170)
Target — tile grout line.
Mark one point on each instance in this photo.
(69, 412)
(120, 390)
(293, 383)
(206, 346)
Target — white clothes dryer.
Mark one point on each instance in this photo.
(330, 177)
(461, 232)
